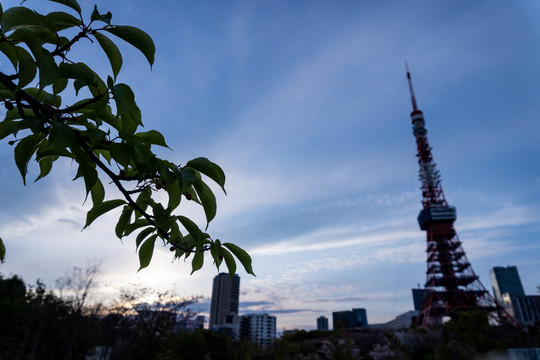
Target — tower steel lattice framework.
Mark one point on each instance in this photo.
(451, 284)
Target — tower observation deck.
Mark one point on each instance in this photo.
(451, 284)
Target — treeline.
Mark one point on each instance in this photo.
(37, 323)
(467, 336)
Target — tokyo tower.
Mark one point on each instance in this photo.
(451, 283)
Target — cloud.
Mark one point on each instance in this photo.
(247, 304)
(507, 216)
(287, 311)
(349, 299)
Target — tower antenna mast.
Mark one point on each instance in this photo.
(451, 284)
(413, 97)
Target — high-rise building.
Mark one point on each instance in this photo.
(418, 297)
(322, 323)
(524, 308)
(509, 292)
(225, 299)
(355, 319)
(259, 328)
(401, 321)
(505, 280)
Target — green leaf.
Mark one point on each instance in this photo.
(210, 169)
(35, 38)
(19, 17)
(176, 235)
(152, 137)
(98, 193)
(79, 71)
(30, 122)
(45, 166)
(106, 18)
(44, 96)
(197, 262)
(121, 153)
(101, 209)
(191, 227)
(24, 151)
(188, 242)
(173, 190)
(110, 82)
(86, 167)
(123, 221)
(142, 235)
(242, 255)
(160, 215)
(59, 20)
(45, 150)
(215, 250)
(8, 127)
(2, 251)
(139, 223)
(71, 3)
(9, 51)
(124, 97)
(112, 52)
(96, 137)
(207, 198)
(143, 200)
(131, 119)
(166, 176)
(78, 84)
(229, 261)
(27, 67)
(48, 71)
(61, 136)
(136, 37)
(188, 176)
(146, 252)
(59, 85)
(84, 76)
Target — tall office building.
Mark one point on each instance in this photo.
(355, 319)
(322, 323)
(505, 280)
(509, 292)
(418, 297)
(524, 308)
(225, 299)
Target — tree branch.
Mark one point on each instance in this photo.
(130, 200)
(71, 109)
(60, 51)
(8, 82)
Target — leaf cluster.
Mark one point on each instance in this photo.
(100, 132)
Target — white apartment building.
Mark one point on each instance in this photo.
(259, 328)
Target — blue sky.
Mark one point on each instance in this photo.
(305, 105)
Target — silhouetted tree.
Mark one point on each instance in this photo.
(143, 318)
(37, 324)
(14, 312)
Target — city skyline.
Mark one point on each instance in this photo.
(305, 106)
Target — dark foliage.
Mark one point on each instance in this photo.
(37, 324)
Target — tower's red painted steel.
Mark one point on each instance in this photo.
(451, 283)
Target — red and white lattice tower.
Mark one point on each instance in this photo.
(451, 283)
